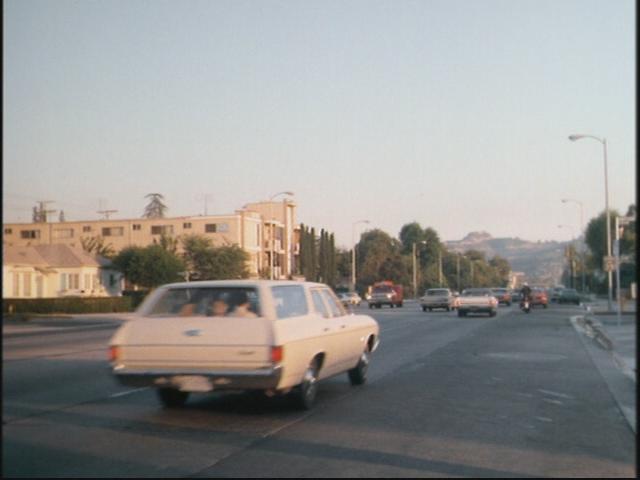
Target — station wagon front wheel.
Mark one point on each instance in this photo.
(358, 374)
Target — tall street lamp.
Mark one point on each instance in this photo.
(573, 238)
(353, 254)
(583, 253)
(415, 280)
(273, 226)
(573, 138)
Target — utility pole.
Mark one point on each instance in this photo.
(40, 214)
(106, 213)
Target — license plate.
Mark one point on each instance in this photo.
(192, 383)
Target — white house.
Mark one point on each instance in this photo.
(46, 271)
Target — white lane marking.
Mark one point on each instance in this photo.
(544, 419)
(555, 394)
(128, 392)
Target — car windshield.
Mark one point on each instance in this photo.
(476, 292)
(438, 292)
(205, 301)
(569, 291)
(500, 290)
(383, 289)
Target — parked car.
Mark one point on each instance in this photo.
(477, 300)
(569, 295)
(275, 337)
(503, 295)
(539, 297)
(350, 298)
(437, 298)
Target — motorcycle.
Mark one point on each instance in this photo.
(525, 305)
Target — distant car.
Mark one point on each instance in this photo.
(503, 295)
(569, 295)
(516, 295)
(258, 335)
(554, 294)
(437, 298)
(350, 298)
(539, 297)
(476, 300)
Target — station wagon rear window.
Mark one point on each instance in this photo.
(211, 302)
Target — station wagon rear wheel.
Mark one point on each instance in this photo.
(172, 398)
(306, 391)
(358, 374)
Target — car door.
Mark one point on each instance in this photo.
(345, 337)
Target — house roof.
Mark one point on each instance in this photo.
(60, 256)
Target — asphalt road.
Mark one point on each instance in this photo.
(512, 396)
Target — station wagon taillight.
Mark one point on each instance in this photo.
(114, 353)
(277, 354)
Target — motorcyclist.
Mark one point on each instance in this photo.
(526, 292)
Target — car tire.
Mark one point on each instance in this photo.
(462, 313)
(172, 398)
(424, 309)
(358, 374)
(493, 313)
(307, 390)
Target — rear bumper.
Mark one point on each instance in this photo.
(260, 379)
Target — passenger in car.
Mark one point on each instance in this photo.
(241, 301)
(218, 308)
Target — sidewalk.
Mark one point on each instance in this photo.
(617, 335)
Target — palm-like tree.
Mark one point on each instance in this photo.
(155, 208)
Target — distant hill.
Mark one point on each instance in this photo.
(541, 262)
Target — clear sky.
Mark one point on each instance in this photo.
(454, 114)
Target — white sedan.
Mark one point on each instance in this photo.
(272, 336)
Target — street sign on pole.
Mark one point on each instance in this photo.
(608, 263)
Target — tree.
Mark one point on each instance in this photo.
(96, 246)
(155, 208)
(379, 259)
(206, 262)
(150, 266)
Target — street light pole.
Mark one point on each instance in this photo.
(571, 263)
(573, 138)
(353, 254)
(583, 254)
(273, 227)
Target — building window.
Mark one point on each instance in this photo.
(113, 231)
(137, 226)
(8, 231)
(63, 281)
(186, 225)
(74, 281)
(86, 228)
(63, 233)
(162, 230)
(30, 234)
(210, 228)
(16, 284)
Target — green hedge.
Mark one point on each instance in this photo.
(137, 296)
(67, 305)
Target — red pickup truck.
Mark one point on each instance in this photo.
(386, 293)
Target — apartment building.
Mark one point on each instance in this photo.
(265, 230)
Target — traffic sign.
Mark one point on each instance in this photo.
(609, 263)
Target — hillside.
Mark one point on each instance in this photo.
(541, 262)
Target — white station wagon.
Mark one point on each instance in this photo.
(271, 336)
